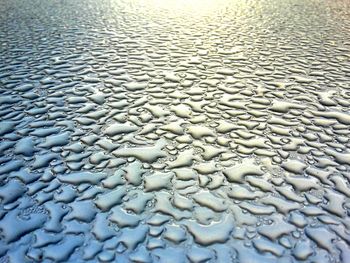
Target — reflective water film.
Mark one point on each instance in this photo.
(174, 131)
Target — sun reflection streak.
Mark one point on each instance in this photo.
(193, 7)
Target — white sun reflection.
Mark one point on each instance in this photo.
(192, 7)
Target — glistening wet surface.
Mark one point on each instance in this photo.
(174, 131)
